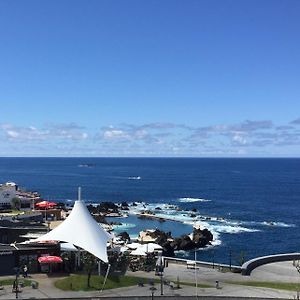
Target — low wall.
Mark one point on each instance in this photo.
(250, 265)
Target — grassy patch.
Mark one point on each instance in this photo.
(272, 285)
(79, 282)
(10, 281)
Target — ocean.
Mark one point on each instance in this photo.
(251, 205)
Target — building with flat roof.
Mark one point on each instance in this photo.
(7, 193)
(10, 191)
(16, 255)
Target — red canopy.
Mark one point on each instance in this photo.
(45, 204)
(50, 259)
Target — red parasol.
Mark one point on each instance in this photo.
(50, 259)
(45, 204)
(46, 242)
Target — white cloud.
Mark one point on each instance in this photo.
(48, 133)
(12, 134)
(152, 139)
(240, 138)
(115, 134)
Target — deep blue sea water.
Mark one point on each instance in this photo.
(256, 200)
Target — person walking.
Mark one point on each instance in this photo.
(25, 271)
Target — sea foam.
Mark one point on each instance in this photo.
(277, 224)
(189, 199)
(231, 229)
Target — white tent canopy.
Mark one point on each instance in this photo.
(80, 229)
(67, 247)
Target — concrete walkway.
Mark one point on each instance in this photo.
(272, 272)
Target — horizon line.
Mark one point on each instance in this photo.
(157, 157)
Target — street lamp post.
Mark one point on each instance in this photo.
(296, 264)
(16, 282)
(161, 283)
(196, 277)
(159, 270)
(161, 273)
(152, 289)
(230, 259)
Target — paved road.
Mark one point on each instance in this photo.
(272, 272)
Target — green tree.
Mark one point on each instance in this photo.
(241, 258)
(16, 203)
(89, 264)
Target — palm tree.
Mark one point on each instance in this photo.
(89, 264)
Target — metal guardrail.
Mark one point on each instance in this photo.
(199, 263)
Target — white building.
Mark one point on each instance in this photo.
(7, 193)
(10, 190)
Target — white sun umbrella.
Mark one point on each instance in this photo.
(133, 245)
(138, 252)
(123, 249)
(151, 247)
(154, 246)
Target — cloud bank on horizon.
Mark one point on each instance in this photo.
(261, 138)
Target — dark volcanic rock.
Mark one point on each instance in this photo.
(104, 207)
(100, 219)
(124, 236)
(160, 236)
(183, 243)
(201, 238)
(168, 250)
(186, 243)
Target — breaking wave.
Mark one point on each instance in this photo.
(124, 226)
(277, 224)
(232, 229)
(189, 199)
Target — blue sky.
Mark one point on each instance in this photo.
(150, 78)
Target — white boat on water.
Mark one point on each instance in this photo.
(135, 178)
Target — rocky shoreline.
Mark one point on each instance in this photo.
(199, 238)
